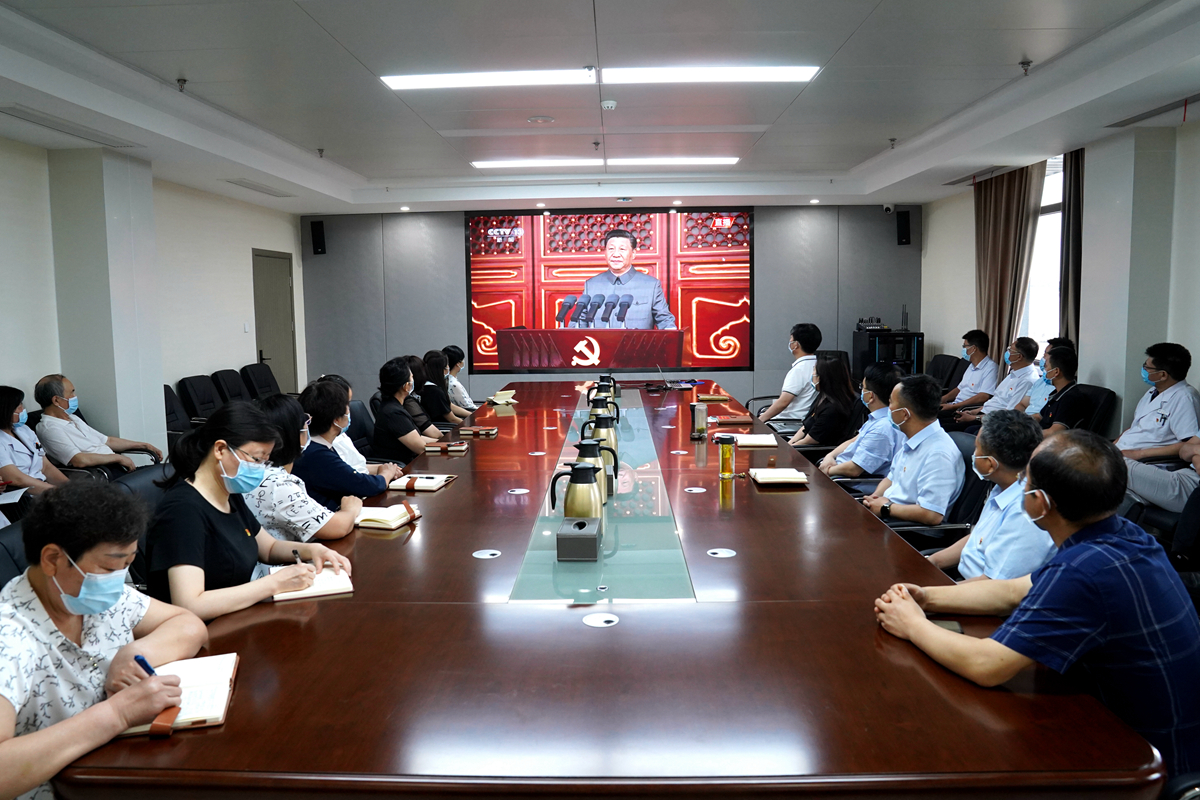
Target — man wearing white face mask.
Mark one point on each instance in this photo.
(1108, 608)
(69, 629)
(798, 392)
(1004, 543)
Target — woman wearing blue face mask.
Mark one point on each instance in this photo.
(831, 413)
(204, 546)
(69, 631)
(23, 461)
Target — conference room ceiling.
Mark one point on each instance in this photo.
(308, 72)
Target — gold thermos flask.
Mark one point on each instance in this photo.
(583, 492)
(590, 451)
(601, 405)
(602, 428)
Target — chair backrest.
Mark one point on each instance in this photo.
(376, 401)
(946, 369)
(141, 483)
(12, 552)
(969, 505)
(1104, 402)
(229, 385)
(199, 396)
(177, 416)
(858, 418)
(260, 380)
(362, 427)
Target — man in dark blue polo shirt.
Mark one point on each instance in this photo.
(1109, 610)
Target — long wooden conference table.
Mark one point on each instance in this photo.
(763, 673)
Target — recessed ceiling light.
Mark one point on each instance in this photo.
(404, 208)
(708, 74)
(545, 213)
(540, 120)
(541, 205)
(814, 201)
(457, 80)
(539, 162)
(672, 161)
(676, 202)
(670, 211)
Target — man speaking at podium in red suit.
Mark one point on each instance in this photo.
(622, 297)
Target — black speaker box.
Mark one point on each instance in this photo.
(903, 231)
(318, 237)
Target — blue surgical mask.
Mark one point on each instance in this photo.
(863, 396)
(790, 353)
(1007, 359)
(23, 417)
(347, 422)
(892, 419)
(966, 355)
(98, 593)
(72, 405)
(813, 380)
(1145, 377)
(1041, 364)
(1047, 381)
(248, 478)
(982, 477)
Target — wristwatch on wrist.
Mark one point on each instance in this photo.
(885, 510)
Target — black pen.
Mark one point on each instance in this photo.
(299, 560)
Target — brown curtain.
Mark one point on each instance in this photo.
(1006, 216)
(1071, 252)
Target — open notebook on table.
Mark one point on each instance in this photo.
(207, 685)
(420, 483)
(503, 398)
(755, 439)
(325, 583)
(782, 475)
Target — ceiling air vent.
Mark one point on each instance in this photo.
(1154, 112)
(257, 187)
(981, 174)
(64, 126)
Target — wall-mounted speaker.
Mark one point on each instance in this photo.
(903, 231)
(318, 238)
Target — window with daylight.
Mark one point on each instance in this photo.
(1040, 317)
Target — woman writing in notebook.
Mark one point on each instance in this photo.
(205, 549)
(281, 502)
(396, 433)
(69, 630)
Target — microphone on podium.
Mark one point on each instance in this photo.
(567, 304)
(584, 299)
(610, 303)
(623, 307)
(593, 308)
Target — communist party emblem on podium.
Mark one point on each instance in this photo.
(588, 356)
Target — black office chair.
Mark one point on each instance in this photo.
(1182, 787)
(1103, 401)
(947, 370)
(12, 552)
(230, 386)
(179, 421)
(376, 401)
(961, 515)
(142, 484)
(199, 396)
(259, 380)
(362, 427)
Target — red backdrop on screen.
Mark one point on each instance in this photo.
(522, 266)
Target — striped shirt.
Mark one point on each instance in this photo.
(1110, 611)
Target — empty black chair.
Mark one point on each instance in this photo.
(199, 396)
(179, 421)
(12, 553)
(362, 427)
(142, 483)
(230, 386)
(961, 515)
(1104, 402)
(947, 370)
(259, 380)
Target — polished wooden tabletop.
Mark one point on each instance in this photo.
(776, 679)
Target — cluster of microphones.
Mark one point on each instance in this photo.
(587, 306)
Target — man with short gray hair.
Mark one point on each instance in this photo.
(72, 442)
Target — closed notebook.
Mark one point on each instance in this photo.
(477, 430)
(207, 685)
(778, 475)
(503, 398)
(733, 419)
(327, 582)
(755, 439)
(712, 398)
(420, 483)
(387, 518)
(446, 447)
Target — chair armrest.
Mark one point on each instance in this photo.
(753, 413)
(143, 451)
(74, 473)
(965, 527)
(445, 426)
(197, 421)
(1169, 463)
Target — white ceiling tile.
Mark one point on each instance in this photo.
(999, 14)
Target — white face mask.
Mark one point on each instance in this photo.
(791, 348)
(976, 459)
(1041, 516)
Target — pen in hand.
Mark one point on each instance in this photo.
(145, 665)
(299, 560)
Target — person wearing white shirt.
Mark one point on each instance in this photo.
(342, 444)
(69, 630)
(71, 441)
(1167, 414)
(979, 381)
(458, 393)
(1016, 384)
(927, 474)
(23, 462)
(871, 451)
(1033, 403)
(1004, 543)
(798, 392)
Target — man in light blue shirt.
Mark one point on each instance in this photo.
(871, 451)
(1004, 543)
(1040, 392)
(927, 474)
(648, 309)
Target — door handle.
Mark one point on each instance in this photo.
(261, 358)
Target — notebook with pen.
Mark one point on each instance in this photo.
(207, 685)
(446, 447)
(477, 430)
(503, 398)
(387, 518)
(734, 419)
(756, 439)
(326, 583)
(420, 483)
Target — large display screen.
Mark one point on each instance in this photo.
(568, 292)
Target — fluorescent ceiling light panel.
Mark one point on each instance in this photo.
(457, 80)
(673, 161)
(708, 74)
(527, 163)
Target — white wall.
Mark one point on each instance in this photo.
(1183, 324)
(948, 273)
(29, 324)
(206, 284)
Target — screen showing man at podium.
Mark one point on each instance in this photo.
(561, 292)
